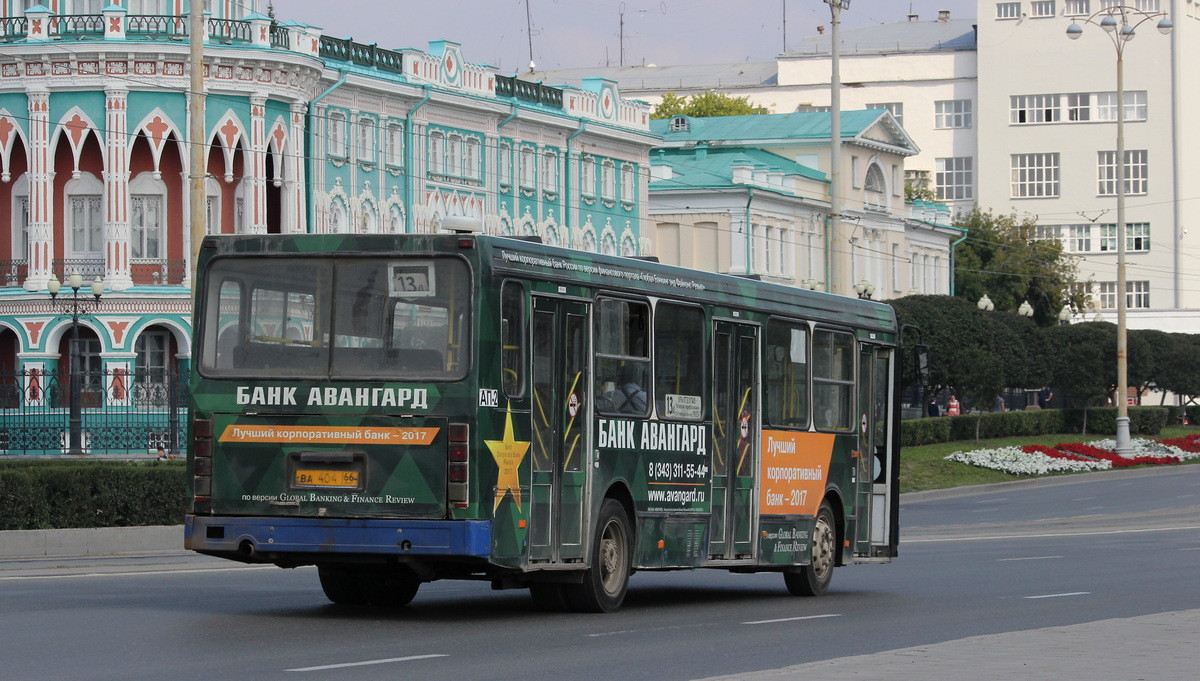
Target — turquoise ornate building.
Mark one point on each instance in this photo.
(304, 133)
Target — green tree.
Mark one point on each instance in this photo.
(705, 105)
(919, 190)
(1004, 258)
(1083, 361)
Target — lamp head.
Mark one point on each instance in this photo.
(1074, 31)
(1165, 25)
(75, 281)
(1109, 23)
(97, 287)
(53, 286)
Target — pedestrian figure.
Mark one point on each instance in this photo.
(1044, 397)
(933, 409)
(952, 407)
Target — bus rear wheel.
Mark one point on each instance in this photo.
(606, 581)
(813, 579)
(357, 585)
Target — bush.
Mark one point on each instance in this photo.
(1103, 420)
(927, 431)
(65, 494)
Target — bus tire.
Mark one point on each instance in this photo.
(389, 588)
(341, 585)
(606, 581)
(813, 579)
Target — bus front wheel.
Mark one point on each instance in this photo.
(813, 579)
(606, 581)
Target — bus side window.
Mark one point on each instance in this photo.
(512, 339)
(679, 361)
(786, 367)
(623, 357)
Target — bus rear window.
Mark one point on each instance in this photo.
(364, 318)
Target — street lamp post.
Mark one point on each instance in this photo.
(75, 308)
(865, 289)
(835, 269)
(1121, 23)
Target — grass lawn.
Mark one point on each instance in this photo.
(923, 468)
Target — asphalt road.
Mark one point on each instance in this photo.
(1009, 560)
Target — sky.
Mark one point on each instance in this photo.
(577, 33)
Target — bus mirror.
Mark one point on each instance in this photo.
(921, 353)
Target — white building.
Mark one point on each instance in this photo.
(1047, 145)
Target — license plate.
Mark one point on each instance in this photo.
(319, 478)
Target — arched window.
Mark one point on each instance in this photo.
(85, 218)
(147, 217)
(876, 187)
(152, 367)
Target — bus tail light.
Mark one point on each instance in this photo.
(201, 459)
(458, 465)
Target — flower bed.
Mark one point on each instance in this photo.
(1077, 456)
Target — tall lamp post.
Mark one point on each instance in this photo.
(1121, 23)
(75, 308)
(835, 269)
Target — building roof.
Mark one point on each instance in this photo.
(891, 38)
(661, 78)
(896, 37)
(872, 127)
(693, 169)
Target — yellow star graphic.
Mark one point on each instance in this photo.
(508, 453)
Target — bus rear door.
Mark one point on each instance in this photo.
(876, 453)
(560, 380)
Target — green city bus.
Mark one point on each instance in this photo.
(397, 409)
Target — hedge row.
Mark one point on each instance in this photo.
(39, 495)
(1100, 421)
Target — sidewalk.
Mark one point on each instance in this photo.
(1160, 647)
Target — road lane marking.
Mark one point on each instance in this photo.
(794, 619)
(1045, 535)
(621, 632)
(1072, 593)
(1003, 560)
(365, 663)
(986, 510)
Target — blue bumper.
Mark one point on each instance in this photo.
(471, 538)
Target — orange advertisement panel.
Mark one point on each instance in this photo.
(329, 435)
(795, 467)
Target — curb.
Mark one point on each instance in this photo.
(99, 541)
(1065, 479)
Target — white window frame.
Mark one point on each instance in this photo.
(471, 158)
(875, 187)
(1079, 238)
(587, 176)
(365, 139)
(954, 178)
(504, 164)
(1106, 295)
(1137, 172)
(88, 190)
(337, 134)
(1032, 109)
(1035, 176)
(628, 186)
(1008, 10)
(608, 183)
(394, 137)
(437, 152)
(147, 191)
(1076, 8)
(528, 158)
(1137, 295)
(1079, 107)
(20, 218)
(951, 114)
(1136, 106)
(549, 170)
(1040, 9)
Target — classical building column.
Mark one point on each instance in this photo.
(116, 189)
(258, 166)
(296, 182)
(41, 178)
